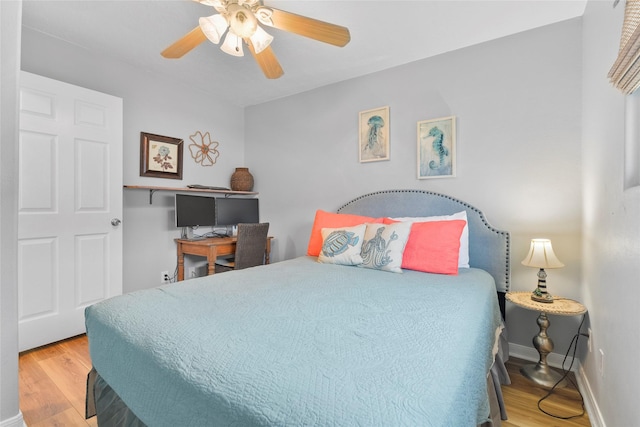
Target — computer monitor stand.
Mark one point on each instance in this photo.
(187, 233)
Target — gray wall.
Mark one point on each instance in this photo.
(154, 105)
(10, 17)
(611, 227)
(518, 105)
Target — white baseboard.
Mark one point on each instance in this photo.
(17, 421)
(595, 416)
(555, 360)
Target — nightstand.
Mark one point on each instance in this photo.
(541, 373)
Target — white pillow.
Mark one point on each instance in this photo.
(342, 245)
(463, 257)
(384, 245)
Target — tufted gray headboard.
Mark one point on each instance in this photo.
(488, 247)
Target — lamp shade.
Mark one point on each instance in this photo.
(232, 44)
(261, 39)
(213, 27)
(541, 255)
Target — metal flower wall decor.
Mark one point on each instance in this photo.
(203, 149)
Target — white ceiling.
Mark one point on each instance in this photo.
(384, 34)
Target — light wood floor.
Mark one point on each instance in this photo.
(521, 399)
(53, 382)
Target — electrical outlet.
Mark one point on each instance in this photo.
(589, 340)
(164, 277)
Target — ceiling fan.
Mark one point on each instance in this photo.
(240, 20)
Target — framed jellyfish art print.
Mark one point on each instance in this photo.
(160, 156)
(373, 143)
(437, 148)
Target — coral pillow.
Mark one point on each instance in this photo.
(434, 247)
(332, 220)
(463, 257)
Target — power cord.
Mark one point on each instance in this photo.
(174, 277)
(565, 375)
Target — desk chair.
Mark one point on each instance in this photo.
(250, 248)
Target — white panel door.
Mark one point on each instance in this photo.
(70, 206)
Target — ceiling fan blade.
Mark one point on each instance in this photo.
(185, 44)
(267, 61)
(309, 27)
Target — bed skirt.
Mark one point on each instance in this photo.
(111, 411)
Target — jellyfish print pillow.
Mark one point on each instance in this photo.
(342, 245)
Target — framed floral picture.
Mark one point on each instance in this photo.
(437, 148)
(374, 135)
(160, 156)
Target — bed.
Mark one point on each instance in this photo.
(302, 342)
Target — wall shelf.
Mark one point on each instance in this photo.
(153, 189)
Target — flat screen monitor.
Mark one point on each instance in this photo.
(195, 211)
(230, 211)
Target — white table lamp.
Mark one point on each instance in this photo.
(541, 256)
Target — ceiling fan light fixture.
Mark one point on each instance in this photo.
(232, 45)
(260, 39)
(213, 3)
(242, 21)
(264, 14)
(213, 27)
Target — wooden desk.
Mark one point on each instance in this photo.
(211, 249)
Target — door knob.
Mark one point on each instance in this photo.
(115, 222)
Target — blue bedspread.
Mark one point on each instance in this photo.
(299, 343)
